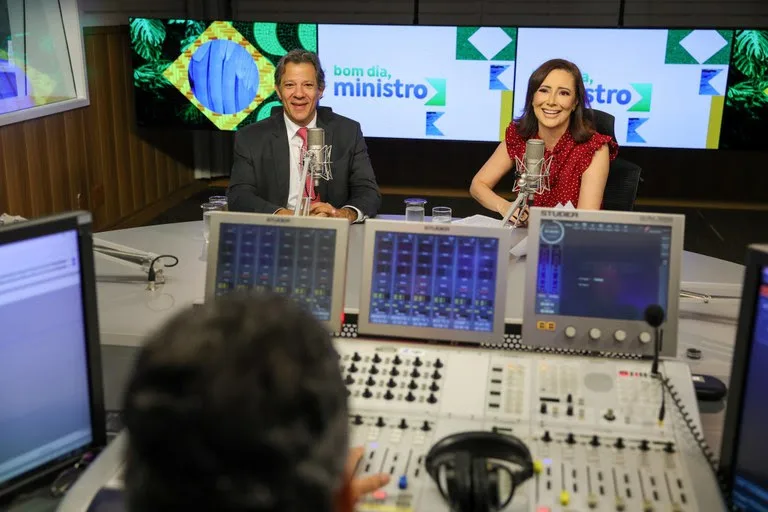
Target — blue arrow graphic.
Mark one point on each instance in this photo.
(496, 84)
(632, 125)
(705, 88)
(431, 118)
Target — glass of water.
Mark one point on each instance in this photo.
(441, 214)
(222, 200)
(414, 209)
(207, 209)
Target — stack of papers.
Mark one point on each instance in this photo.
(519, 249)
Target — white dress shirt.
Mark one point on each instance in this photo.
(294, 144)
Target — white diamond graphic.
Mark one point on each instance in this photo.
(703, 44)
(489, 41)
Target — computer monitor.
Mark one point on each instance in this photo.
(590, 275)
(51, 397)
(304, 258)
(434, 281)
(743, 451)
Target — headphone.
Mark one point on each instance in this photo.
(461, 466)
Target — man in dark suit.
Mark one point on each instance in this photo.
(266, 169)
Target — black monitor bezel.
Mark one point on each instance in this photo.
(81, 222)
(756, 260)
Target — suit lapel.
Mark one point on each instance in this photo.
(322, 188)
(281, 153)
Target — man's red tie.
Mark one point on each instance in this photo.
(309, 186)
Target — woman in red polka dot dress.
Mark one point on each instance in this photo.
(555, 113)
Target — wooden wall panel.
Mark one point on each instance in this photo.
(94, 158)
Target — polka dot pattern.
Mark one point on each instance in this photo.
(569, 162)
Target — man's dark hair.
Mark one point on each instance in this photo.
(236, 406)
(580, 124)
(299, 56)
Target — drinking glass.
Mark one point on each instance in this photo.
(219, 200)
(441, 214)
(207, 209)
(414, 209)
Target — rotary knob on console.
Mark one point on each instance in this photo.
(388, 395)
(594, 333)
(547, 438)
(415, 373)
(348, 380)
(645, 337)
(570, 332)
(413, 385)
(644, 446)
(434, 387)
(417, 362)
(595, 441)
(438, 363)
(410, 397)
(358, 420)
(367, 393)
(352, 368)
(570, 439)
(432, 399)
(619, 444)
(356, 357)
(609, 415)
(376, 358)
(394, 372)
(370, 382)
(620, 335)
(436, 375)
(397, 360)
(391, 383)
(425, 427)
(380, 422)
(373, 370)
(403, 425)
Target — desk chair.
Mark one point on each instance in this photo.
(623, 176)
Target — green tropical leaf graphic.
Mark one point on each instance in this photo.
(150, 76)
(147, 37)
(751, 53)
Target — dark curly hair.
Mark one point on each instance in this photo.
(236, 406)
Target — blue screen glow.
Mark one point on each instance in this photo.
(604, 270)
(439, 281)
(750, 486)
(296, 262)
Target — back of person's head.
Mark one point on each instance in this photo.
(236, 406)
(580, 124)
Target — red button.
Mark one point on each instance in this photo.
(379, 495)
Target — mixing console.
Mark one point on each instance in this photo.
(591, 425)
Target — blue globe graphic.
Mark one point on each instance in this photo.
(223, 76)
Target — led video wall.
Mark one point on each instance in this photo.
(666, 88)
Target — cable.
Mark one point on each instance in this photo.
(697, 436)
(151, 274)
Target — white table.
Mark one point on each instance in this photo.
(128, 312)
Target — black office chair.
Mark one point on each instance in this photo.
(623, 175)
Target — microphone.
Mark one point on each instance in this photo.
(654, 316)
(316, 162)
(533, 177)
(315, 143)
(534, 157)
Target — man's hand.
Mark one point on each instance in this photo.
(361, 486)
(326, 210)
(284, 211)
